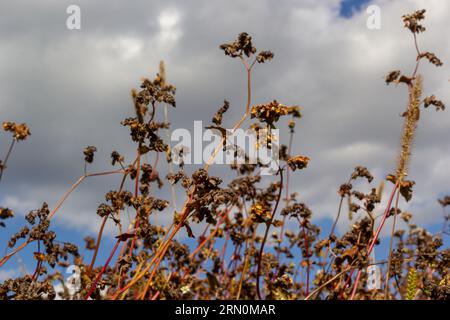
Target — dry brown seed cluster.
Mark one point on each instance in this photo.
(412, 20)
(20, 131)
(241, 46)
(89, 153)
(217, 119)
(270, 112)
(5, 213)
(260, 212)
(298, 162)
(431, 100)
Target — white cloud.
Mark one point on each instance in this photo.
(169, 29)
(128, 47)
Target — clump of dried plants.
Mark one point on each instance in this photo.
(231, 258)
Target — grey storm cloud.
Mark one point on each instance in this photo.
(72, 88)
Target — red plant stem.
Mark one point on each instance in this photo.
(36, 271)
(97, 279)
(136, 193)
(38, 265)
(211, 235)
(204, 232)
(308, 268)
(261, 250)
(347, 281)
(158, 292)
(418, 56)
(238, 255)
(123, 248)
(355, 286)
(133, 242)
(155, 296)
(386, 215)
(233, 257)
(230, 265)
(11, 146)
(75, 185)
(206, 240)
(222, 254)
(100, 232)
(97, 246)
(291, 138)
(159, 255)
(377, 234)
(391, 242)
(8, 256)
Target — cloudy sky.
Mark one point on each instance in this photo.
(72, 88)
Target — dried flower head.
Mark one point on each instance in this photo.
(116, 157)
(264, 56)
(269, 112)
(5, 213)
(260, 212)
(411, 21)
(444, 201)
(298, 162)
(392, 76)
(362, 172)
(20, 131)
(90, 243)
(217, 119)
(431, 57)
(156, 91)
(294, 111)
(431, 100)
(89, 154)
(241, 46)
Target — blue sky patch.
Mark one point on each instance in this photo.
(348, 7)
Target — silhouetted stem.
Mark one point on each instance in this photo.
(97, 279)
(76, 184)
(375, 238)
(8, 256)
(11, 146)
(268, 224)
(391, 242)
(99, 237)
